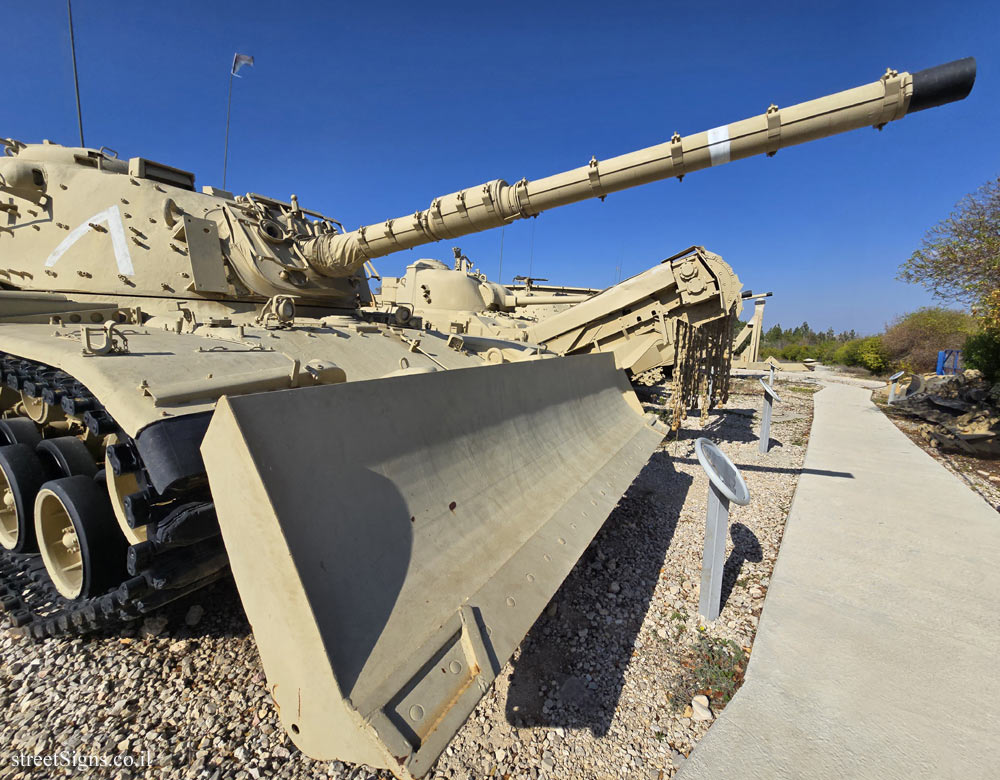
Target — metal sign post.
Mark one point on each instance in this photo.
(893, 384)
(725, 485)
(765, 419)
(771, 379)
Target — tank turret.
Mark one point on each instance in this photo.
(434, 291)
(171, 240)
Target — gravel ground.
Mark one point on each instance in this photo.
(602, 686)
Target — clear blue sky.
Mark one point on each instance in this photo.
(368, 110)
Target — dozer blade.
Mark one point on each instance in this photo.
(393, 540)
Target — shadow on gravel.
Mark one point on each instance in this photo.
(780, 470)
(731, 424)
(222, 617)
(571, 667)
(746, 547)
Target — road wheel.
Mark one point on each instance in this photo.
(21, 476)
(66, 456)
(19, 430)
(83, 550)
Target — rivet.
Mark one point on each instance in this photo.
(455, 667)
(416, 712)
(511, 602)
(529, 577)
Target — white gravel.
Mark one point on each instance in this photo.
(601, 688)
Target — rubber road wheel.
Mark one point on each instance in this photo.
(19, 430)
(66, 456)
(78, 536)
(21, 476)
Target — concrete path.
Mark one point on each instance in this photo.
(878, 650)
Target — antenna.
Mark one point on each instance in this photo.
(500, 272)
(229, 108)
(239, 60)
(76, 78)
(531, 253)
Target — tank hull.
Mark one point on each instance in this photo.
(390, 506)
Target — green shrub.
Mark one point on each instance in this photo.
(848, 353)
(982, 351)
(867, 353)
(872, 355)
(794, 352)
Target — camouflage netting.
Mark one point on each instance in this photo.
(961, 413)
(701, 371)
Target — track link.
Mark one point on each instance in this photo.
(182, 554)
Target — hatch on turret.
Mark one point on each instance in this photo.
(141, 168)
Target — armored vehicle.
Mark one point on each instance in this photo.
(190, 387)
(634, 320)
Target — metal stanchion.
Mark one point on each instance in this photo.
(725, 485)
(893, 384)
(765, 418)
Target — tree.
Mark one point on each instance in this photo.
(982, 351)
(913, 340)
(959, 259)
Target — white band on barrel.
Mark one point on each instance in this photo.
(718, 144)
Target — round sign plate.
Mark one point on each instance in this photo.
(720, 469)
(896, 376)
(770, 391)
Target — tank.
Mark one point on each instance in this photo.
(634, 320)
(192, 388)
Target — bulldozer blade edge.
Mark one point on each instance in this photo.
(401, 536)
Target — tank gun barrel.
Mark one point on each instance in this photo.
(515, 300)
(496, 203)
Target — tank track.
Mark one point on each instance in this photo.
(37, 609)
(182, 554)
